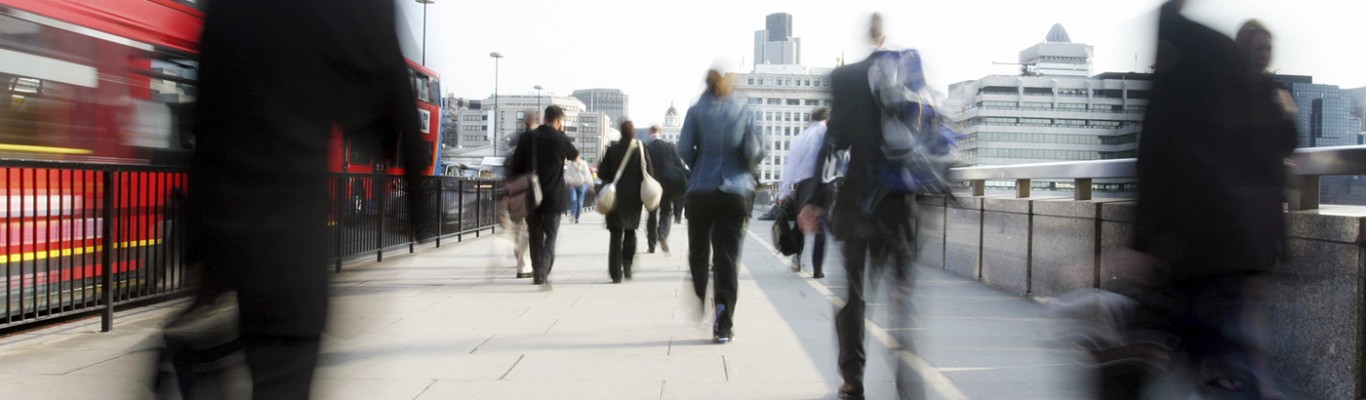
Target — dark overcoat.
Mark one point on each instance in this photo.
(626, 215)
(1210, 158)
(275, 77)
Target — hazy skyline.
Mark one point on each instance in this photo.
(658, 52)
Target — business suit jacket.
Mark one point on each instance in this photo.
(1210, 159)
(856, 124)
(274, 79)
(552, 149)
(667, 164)
(626, 212)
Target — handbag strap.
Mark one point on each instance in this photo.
(625, 158)
(643, 172)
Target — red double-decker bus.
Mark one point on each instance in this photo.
(96, 100)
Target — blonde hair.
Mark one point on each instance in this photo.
(717, 84)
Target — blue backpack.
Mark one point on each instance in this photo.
(919, 141)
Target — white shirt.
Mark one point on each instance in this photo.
(802, 157)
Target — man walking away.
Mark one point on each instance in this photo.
(545, 150)
(873, 221)
(668, 168)
(258, 189)
(800, 180)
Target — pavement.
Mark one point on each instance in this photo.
(453, 323)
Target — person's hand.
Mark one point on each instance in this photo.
(809, 219)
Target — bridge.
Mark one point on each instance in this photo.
(427, 322)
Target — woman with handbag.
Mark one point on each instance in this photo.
(629, 166)
(722, 146)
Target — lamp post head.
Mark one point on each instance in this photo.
(426, 1)
(496, 55)
(538, 87)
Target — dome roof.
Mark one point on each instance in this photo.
(1058, 35)
(672, 110)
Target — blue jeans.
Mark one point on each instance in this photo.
(576, 195)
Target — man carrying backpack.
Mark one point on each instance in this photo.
(895, 150)
(670, 173)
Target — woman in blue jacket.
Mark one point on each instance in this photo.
(721, 145)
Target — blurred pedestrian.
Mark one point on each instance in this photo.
(1209, 220)
(516, 227)
(800, 180)
(1255, 41)
(669, 171)
(258, 196)
(579, 179)
(723, 147)
(626, 162)
(545, 151)
(873, 221)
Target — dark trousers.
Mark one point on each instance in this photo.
(658, 224)
(817, 252)
(281, 366)
(715, 221)
(678, 210)
(1204, 315)
(622, 253)
(889, 252)
(543, 229)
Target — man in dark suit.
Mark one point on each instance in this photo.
(870, 221)
(669, 170)
(274, 79)
(1209, 217)
(545, 150)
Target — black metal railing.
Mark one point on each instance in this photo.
(79, 239)
(371, 214)
(82, 238)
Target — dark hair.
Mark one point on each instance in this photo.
(820, 114)
(875, 31)
(628, 131)
(553, 113)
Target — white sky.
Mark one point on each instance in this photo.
(658, 51)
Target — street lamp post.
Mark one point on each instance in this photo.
(538, 97)
(497, 118)
(424, 28)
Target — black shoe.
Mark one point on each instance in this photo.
(616, 280)
(721, 336)
(523, 275)
(818, 275)
(626, 270)
(651, 250)
(851, 391)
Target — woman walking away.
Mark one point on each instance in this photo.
(624, 218)
(721, 145)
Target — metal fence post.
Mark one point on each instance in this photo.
(479, 208)
(342, 186)
(107, 253)
(440, 208)
(460, 213)
(381, 183)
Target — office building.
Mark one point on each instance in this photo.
(780, 99)
(775, 43)
(611, 101)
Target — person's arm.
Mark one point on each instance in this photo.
(517, 164)
(570, 152)
(792, 165)
(687, 140)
